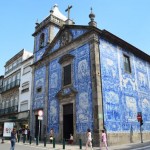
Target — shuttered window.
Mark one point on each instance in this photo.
(26, 69)
(25, 87)
(24, 106)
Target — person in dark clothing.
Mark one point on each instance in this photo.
(28, 136)
(13, 139)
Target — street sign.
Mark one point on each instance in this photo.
(40, 112)
(139, 116)
(40, 117)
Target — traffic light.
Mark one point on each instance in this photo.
(141, 122)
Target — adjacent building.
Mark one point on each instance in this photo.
(1, 87)
(10, 93)
(25, 92)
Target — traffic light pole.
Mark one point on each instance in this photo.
(141, 133)
(140, 120)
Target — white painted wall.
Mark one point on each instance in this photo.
(25, 97)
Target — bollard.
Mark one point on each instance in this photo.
(2, 140)
(80, 143)
(53, 142)
(63, 143)
(30, 139)
(44, 141)
(37, 140)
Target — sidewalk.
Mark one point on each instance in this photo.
(77, 147)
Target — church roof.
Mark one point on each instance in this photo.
(66, 35)
(73, 33)
(85, 30)
(55, 12)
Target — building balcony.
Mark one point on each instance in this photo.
(13, 68)
(10, 110)
(16, 83)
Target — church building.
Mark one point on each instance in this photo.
(85, 77)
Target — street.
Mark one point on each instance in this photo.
(6, 146)
(33, 146)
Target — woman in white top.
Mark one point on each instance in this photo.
(89, 139)
(71, 139)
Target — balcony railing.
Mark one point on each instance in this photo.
(11, 85)
(13, 68)
(9, 110)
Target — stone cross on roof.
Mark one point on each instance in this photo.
(68, 9)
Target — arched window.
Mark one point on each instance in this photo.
(42, 38)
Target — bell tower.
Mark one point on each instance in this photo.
(46, 30)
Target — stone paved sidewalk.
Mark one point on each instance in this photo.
(77, 147)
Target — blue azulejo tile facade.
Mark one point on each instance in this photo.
(82, 83)
(81, 79)
(124, 94)
(39, 51)
(75, 33)
(39, 84)
(54, 87)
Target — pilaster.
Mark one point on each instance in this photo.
(31, 124)
(96, 88)
(45, 109)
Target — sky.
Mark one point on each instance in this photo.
(127, 19)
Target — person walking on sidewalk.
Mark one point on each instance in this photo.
(103, 140)
(26, 133)
(71, 139)
(51, 136)
(13, 139)
(89, 139)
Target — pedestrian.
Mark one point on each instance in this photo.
(13, 139)
(89, 139)
(26, 133)
(23, 135)
(71, 139)
(103, 140)
(20, 134)
(51, 136)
